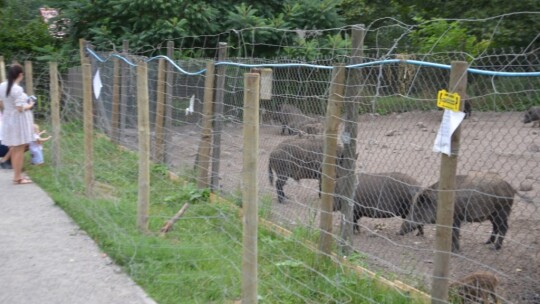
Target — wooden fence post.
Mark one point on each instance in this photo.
(144, 146)
(28, 78)
(250, 187)
(349, 137)
(218, 117)
(82, 51)
(160, 114)
(169, 92)
(55, 113)
(2, 69)
(88, 121)
(203, 158)
(124, 87)
(445, 207)
(115, 111)
(333, 113)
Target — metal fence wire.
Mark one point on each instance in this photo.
(396, 170)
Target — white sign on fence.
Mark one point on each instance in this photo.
(451, 120)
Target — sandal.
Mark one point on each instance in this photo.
(22, 181)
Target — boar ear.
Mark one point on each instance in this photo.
(413, 191)
(419, 196)
(424, 199)
(415, 198)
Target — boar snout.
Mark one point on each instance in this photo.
(409, 226)
(527, 118)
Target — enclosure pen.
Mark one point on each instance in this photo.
(351, 113)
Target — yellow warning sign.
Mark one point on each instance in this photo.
(450, 101)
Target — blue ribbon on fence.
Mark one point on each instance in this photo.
(324, 67)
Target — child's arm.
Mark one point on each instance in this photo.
(41, 140)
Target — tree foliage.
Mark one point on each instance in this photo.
(503, 23)
(199, 24)
(369, 11)
(22, 29)
(141, 22)
(444, 36)
(148, 23)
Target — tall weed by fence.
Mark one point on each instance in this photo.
(395, 122)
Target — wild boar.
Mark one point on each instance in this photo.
(479, 197)
(476, 287)
(297, 125)
(532, 115)
(289, 115)
(467, 108)
(297, 158)
(380, 195)
(311, 129)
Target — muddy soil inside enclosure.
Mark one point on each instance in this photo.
(495, 142)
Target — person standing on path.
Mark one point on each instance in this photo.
(18, 120)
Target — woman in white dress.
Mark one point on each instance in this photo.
(18, 121)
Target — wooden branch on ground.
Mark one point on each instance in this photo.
(169, 224)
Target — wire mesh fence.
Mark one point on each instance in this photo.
(396, 171)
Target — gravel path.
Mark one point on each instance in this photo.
(46, 258)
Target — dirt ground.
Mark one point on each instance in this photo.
(497, 142)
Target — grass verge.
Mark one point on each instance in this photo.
(199, 261)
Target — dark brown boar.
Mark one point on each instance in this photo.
(380, 195)
(311, 129)
(479, 197)
(296, 158)
(467, 106)
(288, 116)
(476, 287)
(532, 115)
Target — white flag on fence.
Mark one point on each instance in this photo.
(97, 85)
(189, 110)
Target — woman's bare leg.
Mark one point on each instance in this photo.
(17, 159)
